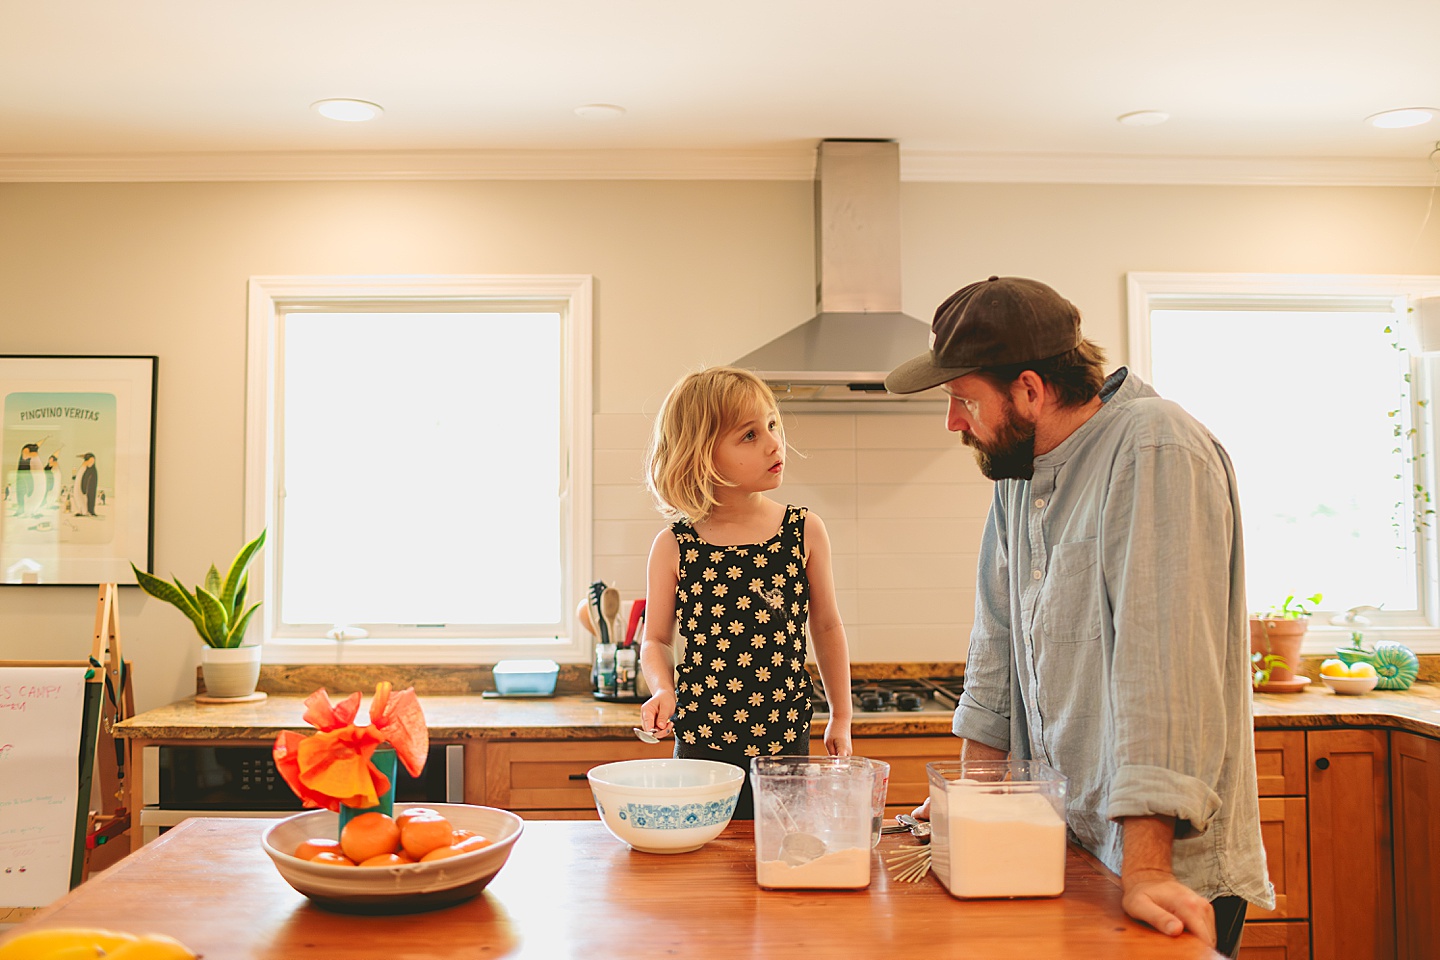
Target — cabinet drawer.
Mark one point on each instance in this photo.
(550, 775)
(1280, 762)
(1284, 830)
(1275, 941)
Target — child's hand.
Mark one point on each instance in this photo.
(837, 738)
(656, 712)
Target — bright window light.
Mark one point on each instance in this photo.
(1302, 401)
(422, 470)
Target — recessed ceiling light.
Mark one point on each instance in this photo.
(351, 111)
(1143, 118)
(599, 111)
(1408, 117)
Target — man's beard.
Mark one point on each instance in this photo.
(1011, 455)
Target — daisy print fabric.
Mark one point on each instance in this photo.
(742, 610)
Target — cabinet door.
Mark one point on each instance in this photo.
(550, 774)
(1280, 762)
(1352, 914)
(907, 757)
(1275, 941)
(1283, 828)
(1415, 788)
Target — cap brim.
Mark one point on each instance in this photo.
(912, 376)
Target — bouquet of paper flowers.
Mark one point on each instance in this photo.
(334, 768)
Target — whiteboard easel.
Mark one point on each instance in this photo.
(105, 662)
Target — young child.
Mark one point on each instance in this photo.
(741, 576)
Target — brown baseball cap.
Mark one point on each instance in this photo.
(991, 323)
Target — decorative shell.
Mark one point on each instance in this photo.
(1396, 664)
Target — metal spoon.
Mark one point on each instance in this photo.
(647, 735)
(920, 829)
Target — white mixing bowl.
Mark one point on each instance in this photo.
(666, 806)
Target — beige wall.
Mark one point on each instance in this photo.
(687, 273)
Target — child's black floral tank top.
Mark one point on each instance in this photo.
(742, 610)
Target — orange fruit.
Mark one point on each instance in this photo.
(420, 835)
(330, 856)
(387, 860)
(469, 845)
(459, 833)
(308, 849)
(404, 816)
(369, 835)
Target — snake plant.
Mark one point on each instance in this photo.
(217, 608)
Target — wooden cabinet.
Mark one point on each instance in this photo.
(1283, 830)
(1282, 933)
(1415, 806)
(1280, 762)
(546, 778)
(1351, 879)
(907, 757)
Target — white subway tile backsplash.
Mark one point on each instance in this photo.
(901, 499)
(909, 501)
(821, 466)
(953, 465)
(903, 431)
(918, 536)
(916, 571)
(819, 431)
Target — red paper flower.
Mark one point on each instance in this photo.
(333, 767)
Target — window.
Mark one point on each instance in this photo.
(1319, 390)
(419, 451)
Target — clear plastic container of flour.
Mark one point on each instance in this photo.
(997, 828)
(812, 822)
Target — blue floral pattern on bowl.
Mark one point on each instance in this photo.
(677, 816)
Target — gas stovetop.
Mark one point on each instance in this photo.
(930, 695)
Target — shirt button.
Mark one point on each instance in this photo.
(1039, 502)
(1036, 574)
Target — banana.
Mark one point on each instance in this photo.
(152, 946)
(57, 942)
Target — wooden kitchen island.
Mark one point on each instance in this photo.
(572, 890)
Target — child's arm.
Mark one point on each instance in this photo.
(827, 633)
(657, 656)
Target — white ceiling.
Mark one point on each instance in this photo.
(1012, 87)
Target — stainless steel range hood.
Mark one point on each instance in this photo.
(842, 354)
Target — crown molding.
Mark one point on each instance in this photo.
(787, 163)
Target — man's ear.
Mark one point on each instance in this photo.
(1028, 393)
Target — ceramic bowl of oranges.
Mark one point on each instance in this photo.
(424, 858)
(1349, 680)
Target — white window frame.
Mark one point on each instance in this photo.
(269, 297)
(1148, 291)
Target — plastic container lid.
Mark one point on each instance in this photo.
(527, 666)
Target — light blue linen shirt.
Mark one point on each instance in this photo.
(1111, 639)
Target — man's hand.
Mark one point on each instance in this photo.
(1157, 898)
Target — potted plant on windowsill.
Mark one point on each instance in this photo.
(230, 666)
(1275, 639)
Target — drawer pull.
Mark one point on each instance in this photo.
(579, 776)
(1323, 763)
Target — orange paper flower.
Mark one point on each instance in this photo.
(333, 767)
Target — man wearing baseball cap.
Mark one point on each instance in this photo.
(1110, 636)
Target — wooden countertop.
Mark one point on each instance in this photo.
(572, 890)
(579, 717)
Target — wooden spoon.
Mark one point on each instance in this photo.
(610, 610)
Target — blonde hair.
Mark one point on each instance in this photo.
(680, 461)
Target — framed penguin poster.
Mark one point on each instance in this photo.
(77, 467)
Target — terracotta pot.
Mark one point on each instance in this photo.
(1272, 635)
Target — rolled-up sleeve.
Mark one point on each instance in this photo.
(983, 713)
(1168, 531)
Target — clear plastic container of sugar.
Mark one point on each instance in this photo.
(998, 828)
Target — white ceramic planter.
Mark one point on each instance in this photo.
(230, 671)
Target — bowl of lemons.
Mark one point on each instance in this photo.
(1356, 678)
(423, 858)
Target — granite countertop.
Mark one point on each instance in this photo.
(580, 717)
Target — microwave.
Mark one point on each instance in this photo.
(194, 780)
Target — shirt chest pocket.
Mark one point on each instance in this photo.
(1069, 604)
